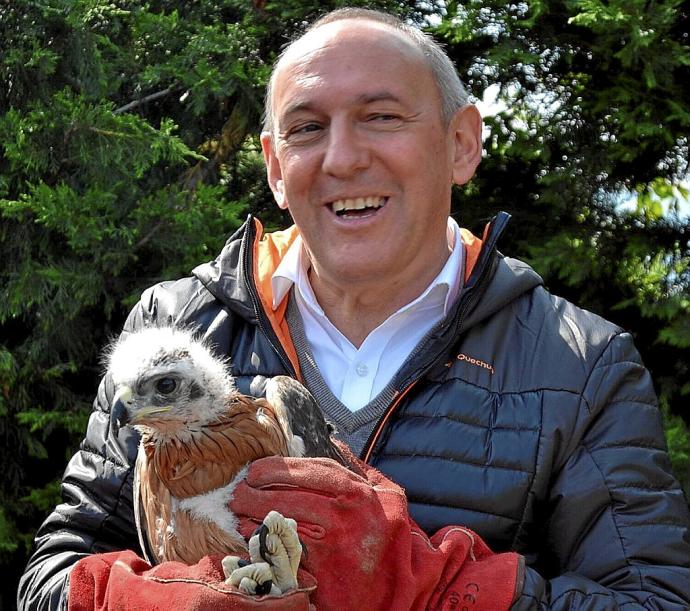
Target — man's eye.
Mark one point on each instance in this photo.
(307, 128)
(383, 117)
(165, 386)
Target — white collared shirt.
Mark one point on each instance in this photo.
(357, 375)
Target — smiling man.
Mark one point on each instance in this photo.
(495, 411)
(361, 153)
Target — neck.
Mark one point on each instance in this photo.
(357, 308)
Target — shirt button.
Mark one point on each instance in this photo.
(362, 370)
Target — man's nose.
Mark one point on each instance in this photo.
(346, 152)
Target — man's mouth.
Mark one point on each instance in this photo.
(357, 206)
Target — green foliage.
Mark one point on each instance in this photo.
(8, 543)
(678, 439)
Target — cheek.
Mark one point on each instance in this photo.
(295, 183)
(297, 163)
(418, 158)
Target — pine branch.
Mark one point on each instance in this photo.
(144, 100)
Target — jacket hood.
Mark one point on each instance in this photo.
(496, 280)
(240, 278)
(246, 265)
(509, 280)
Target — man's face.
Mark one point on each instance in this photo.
(361, 156)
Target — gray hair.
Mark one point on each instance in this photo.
(451, 90)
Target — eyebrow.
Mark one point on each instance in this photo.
(296, 107)
(365, 98)
(380, 96)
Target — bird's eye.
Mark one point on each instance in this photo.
(166, 385)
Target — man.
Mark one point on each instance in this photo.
(495, 405)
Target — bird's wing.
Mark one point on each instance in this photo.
(140, 518)
(154, 503)
(212, 454)
(295, 405)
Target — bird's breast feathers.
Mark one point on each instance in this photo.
(201, 459)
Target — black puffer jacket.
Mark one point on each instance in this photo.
(521, 416)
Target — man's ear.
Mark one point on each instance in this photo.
(273, 170)
(466, 127)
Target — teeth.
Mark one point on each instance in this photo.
(358, 203)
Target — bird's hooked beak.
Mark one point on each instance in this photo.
(119, 412)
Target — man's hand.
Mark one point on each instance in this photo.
(122, 580)
(363, 548)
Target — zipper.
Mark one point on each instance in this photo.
(397, 398)
(471, 296)
(262, 320)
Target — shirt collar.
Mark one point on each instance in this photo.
(295, 264)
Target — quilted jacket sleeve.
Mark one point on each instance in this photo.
(97, 512)
(619, 525)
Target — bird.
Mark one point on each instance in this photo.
(198, 434)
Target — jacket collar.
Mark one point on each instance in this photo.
(240, 277)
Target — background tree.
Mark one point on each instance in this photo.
(129, 151)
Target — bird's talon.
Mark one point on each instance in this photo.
(247, 585)
(251, 578)
(263, 549)
(232, 563)
(276, 543)
(263, 588)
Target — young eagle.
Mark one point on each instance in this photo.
(198, 433)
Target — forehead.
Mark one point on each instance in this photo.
(351, 59)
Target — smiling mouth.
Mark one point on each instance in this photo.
(357, 206)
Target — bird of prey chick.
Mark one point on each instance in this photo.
(198, 434)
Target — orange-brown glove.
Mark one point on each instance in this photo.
(363, 548)
(122, 580)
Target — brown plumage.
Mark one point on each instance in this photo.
(198, 433)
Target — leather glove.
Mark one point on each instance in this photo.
(122, 580)
(363, 548)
